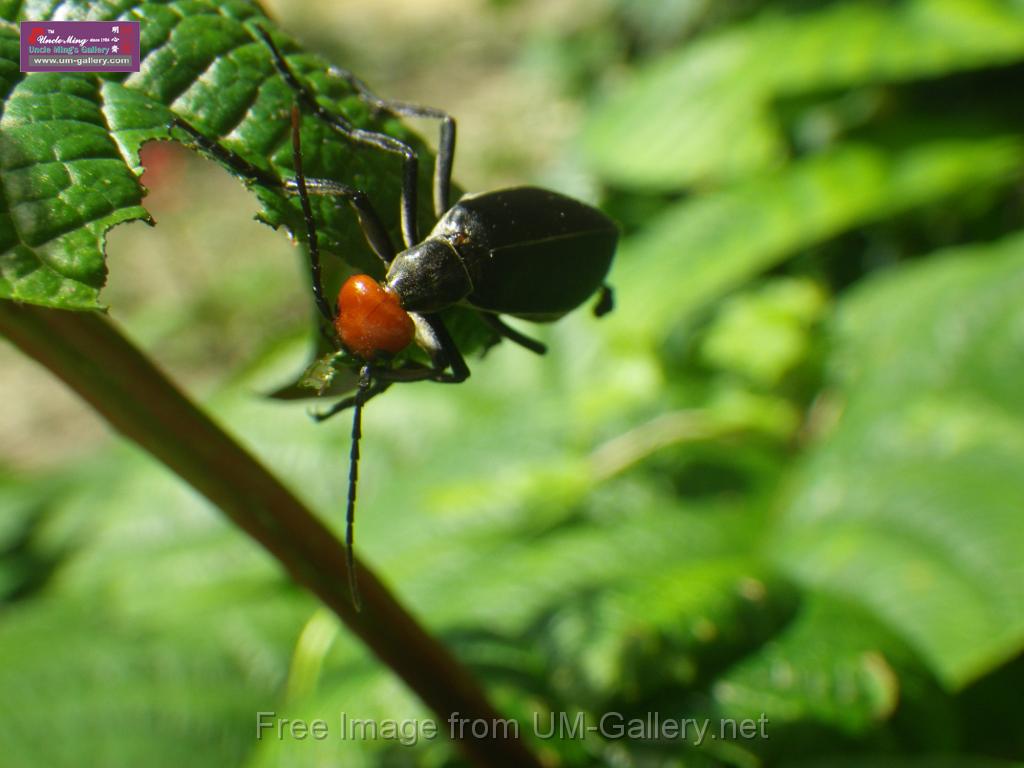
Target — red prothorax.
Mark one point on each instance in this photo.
(371, 320)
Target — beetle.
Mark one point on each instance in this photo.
(527, 252)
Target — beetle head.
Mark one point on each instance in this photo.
(370, 321)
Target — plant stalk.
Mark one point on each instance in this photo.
(93, 358)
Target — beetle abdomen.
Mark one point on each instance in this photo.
(531, 252)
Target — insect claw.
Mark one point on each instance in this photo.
(605, 302)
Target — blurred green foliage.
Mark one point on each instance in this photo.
(783, 478)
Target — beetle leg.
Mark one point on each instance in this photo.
(375, 389)
(307, 215)
(413, 372)
(512, 334)
(445, 142)
(374, 231)
(605, 302)
(433, 336)
(299, 185)
(222, 154)
(410, 161)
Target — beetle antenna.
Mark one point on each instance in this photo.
(307, 214)
(365, 379)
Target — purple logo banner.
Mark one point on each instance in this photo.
(80, 46)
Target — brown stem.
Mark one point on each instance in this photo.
(95, 360)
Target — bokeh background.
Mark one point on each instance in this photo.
(783, 478)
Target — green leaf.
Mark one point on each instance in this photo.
(70, 142)
(80, 683)
(670, 632)
(835, 669)
(101, 668)
(705, 111)
(65, 183)
(892, 761)
(763, 334)
(700, 248)
(912, 504)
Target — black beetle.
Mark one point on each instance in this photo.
(508, 252)
(526, 252)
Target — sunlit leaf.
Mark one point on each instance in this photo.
(705, 110)
(911, 506)
(70, 141)
(706, 245)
